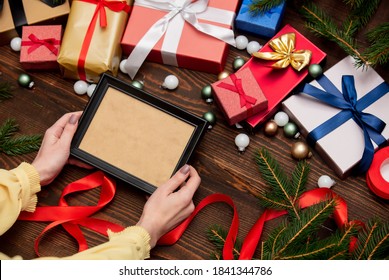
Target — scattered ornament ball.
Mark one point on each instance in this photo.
(253, 47)
(121, 66)
(238, 63)
(222, 75)
(242, 141)
(315, 70)
(137, 84)
(270, 128)
(25, 81)
(90, 90)
(210, 117)
(291, 130)
(325, 181)
(171, 82)
(206, 94)
(300, 150)
(281, 118)
(16, 44)
(241, 42)
(80, 87)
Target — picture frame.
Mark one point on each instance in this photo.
(135, 136)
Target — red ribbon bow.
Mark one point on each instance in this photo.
(115, 6)
(35, 43)
(237, 87)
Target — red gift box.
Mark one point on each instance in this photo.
(239, 96)
(276, 84)
(40, 47)
(182, 44)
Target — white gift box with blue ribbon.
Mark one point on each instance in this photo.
(265, 25)
(344, 115)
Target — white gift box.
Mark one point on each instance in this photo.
(343, 147)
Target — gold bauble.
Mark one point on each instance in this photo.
(223, 75)
(270, 128)
(300, 150)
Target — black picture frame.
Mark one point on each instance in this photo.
(105, 83)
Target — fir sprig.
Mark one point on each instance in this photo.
(262, 6)
(354, 3)
(5, 91)
(217, 235)
(17, 145)
(378, 51)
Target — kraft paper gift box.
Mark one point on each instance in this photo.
(17, 13)
(182, 44)
(90, 45)
(239, 96)
(343, 143)
(276, 84)
(40, 47)
(265, 25)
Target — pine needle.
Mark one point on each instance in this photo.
(5, 91)
(263, 6)
(217, 235)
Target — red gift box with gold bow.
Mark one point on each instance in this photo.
(40, 47)
(239, 96)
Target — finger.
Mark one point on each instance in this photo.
(176, 180)
(69, 129)
(192, 184)
(79, 163)
(57, 128)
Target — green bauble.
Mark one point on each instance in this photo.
(290, 130)
(25, 81)
(315, 70)
(206, 94)
(210, 118)
(137, 84)
(238, 63)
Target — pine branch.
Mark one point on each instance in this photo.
(354, 3)
(360, 16)
(21, 145)
(5, 91)
(378, 51)
(263, 6)
(321, 24)
(373, 241)
(7, 130)
(217, 235)
(299, 178)
(271, 172)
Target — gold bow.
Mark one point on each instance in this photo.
(285, 53)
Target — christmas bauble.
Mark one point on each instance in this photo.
(25, 81)
(223, 75)
(238, 63)
(170, 82)
(315, 70)
(210, 118)
(300, 150)
(242, 141)
(206, 94)
(325, 181)
(290, 130)
(121, 66)
(253, 47)
(270, 128)
(80, 87)
(137, 84)
(241, 42)
(90, 90)
(16, 44)
(281, 118)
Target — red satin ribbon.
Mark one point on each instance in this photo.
(35, 43)
(72, 217)
(116, 6)
(237, 87)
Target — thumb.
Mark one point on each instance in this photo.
(69, 129)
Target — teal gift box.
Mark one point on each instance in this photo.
(265, 25)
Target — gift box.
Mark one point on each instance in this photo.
(239, 96)
(342, 131)
(265, 25)
(91, 42)
(40, 47)
(275, 83)
(184, 42)
(17, 13)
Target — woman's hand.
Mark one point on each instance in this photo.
(167, 206)
(55, 149)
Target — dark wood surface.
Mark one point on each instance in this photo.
(221, 167)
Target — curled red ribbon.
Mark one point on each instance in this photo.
(72, 217)
(116, 6)
(237, 87)
(35, 43)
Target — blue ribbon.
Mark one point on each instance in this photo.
(350, 107)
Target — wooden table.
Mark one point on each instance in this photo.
(221, 167)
